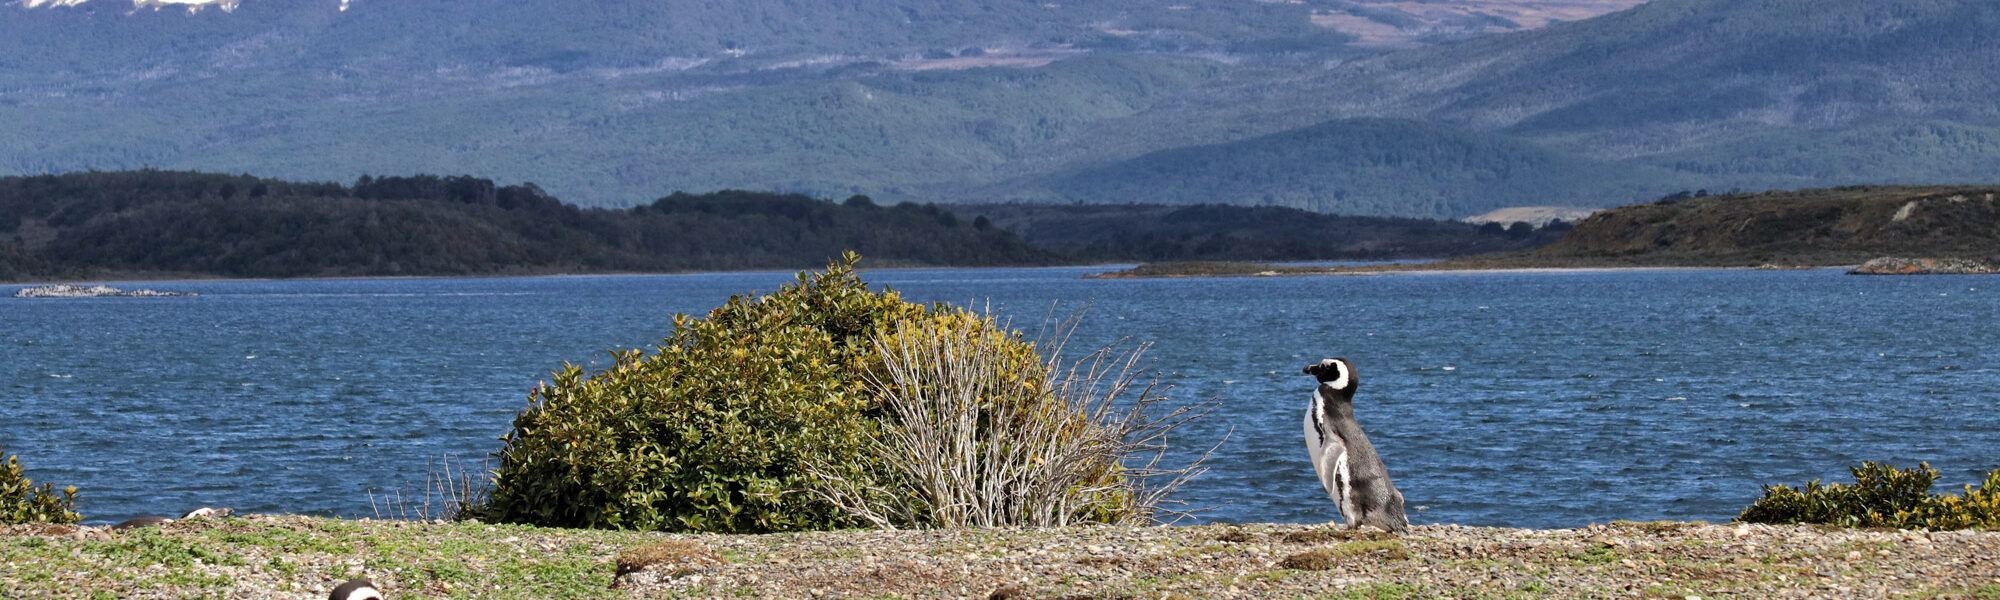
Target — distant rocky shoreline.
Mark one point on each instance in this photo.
(1924, 266)
(62, 290)
(1879, 266)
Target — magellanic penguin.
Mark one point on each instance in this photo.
(356, 589)
(152, 521)
(1347, 465)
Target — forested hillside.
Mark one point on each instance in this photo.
(1839, 226)
(179, 224)
(192, 224)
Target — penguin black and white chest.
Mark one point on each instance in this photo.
(1348, 467)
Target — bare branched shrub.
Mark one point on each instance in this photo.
(976, 430)
(448, 490)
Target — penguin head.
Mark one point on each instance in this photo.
(356, 589)
(1336, 373)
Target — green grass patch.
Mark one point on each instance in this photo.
(1324, 558)
(285, 540)
(150, 547)
(1379, 591)
(1319, 536)
(1658, 527)
(1206, 549)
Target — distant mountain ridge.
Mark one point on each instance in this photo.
(1718, 94)
(1014, 100)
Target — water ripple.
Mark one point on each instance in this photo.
(1544, 400)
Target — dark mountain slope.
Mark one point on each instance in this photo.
(1387, 167)
(1709, 62)
(1902, 152)
(1768, 93)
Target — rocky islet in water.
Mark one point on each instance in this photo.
(91, 291)
(1924, 266)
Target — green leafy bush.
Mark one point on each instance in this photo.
(708, 433)
(22, 502)
(827, 405)
(1881, 496)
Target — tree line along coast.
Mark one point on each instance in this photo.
(1877, 230)
(166, 224)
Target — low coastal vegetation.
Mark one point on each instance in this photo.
(1919, 229)
(22, 502)
(1881, 496)
(173, 224)
(828, 405)
(159, 224)
(1209, 232)
(1821, 227)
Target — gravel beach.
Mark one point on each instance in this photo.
(269, 556)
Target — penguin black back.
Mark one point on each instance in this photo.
(153, 521)
(356, 589)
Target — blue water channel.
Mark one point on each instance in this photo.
(1503, 399)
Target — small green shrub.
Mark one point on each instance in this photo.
(1881, 496)
(708, 433)
(22, 502)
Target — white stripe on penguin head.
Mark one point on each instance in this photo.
(1338, 383)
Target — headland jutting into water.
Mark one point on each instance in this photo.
(1909, 229)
